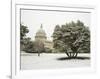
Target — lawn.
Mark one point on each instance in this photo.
(52, 61)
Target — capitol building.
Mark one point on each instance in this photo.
(41, 36)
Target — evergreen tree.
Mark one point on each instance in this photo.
(72, 38)
(23, 31)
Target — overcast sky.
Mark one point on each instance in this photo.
(33, 20)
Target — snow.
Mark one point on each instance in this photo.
(52, 61)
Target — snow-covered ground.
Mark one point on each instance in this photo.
(52, 61)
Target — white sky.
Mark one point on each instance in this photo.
(33, 20)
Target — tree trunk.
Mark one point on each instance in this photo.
(67, 54)
(72, 55)
(75, 55)
(38, 53)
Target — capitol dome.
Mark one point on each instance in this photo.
(40, 34)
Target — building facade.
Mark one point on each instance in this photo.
(41, 36)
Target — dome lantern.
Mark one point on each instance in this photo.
(41, 26)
